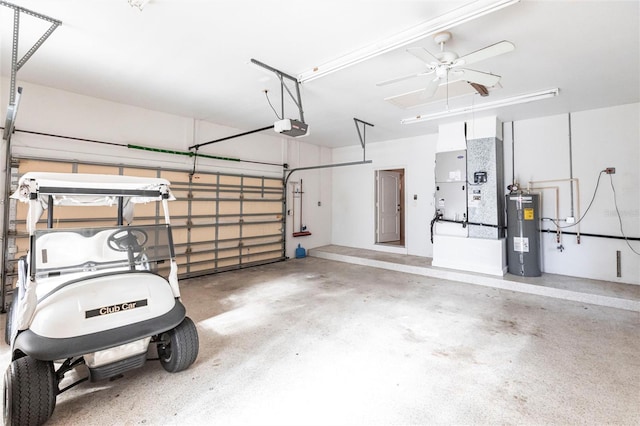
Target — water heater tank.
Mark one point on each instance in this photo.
(523, 234)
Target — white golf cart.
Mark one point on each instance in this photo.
(91, 296)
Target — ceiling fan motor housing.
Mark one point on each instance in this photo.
(442, 37)
(447, 57)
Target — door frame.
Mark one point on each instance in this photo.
(403, 203)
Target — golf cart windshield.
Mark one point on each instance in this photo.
(59, 252)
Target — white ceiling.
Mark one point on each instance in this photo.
(190, 57)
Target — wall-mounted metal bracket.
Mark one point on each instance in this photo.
(296, 99)
(15, 63)
(281, 76)
(363, 135)
(11, 115)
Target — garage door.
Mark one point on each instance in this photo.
(220, 221)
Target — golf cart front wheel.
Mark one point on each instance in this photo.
(178, 348)
(30, 390)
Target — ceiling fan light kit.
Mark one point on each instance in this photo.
(468, 12)
(514, 100)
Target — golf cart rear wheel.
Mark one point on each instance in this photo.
(178, 348)
(30, 391)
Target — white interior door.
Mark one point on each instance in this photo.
(388, 226)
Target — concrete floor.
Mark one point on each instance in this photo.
(314, 341)
(594, 292)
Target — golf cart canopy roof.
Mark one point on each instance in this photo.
(77, 189)
(90, 189)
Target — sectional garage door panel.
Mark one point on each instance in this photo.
(221, 213)
(219, 221)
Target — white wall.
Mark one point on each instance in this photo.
(608, 137)
(316, 198)
(53, 111)
(354, 193)
(601, 138)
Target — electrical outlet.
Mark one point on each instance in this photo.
(571, 219)
(610, 170)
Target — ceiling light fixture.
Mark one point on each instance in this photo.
(514, 100)
(450, 19)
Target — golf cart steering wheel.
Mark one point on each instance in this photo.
(128, 239)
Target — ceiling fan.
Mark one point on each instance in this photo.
(447, 66)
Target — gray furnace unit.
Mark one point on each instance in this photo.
(523, 234)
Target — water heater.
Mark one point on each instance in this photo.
(523, 234)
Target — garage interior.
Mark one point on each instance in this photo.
(366, 269)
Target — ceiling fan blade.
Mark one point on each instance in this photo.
(472, 76)
(397, 79)
(486, 53)
(480, 89)
(406, 77)
(423, 54)
(431, 88)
